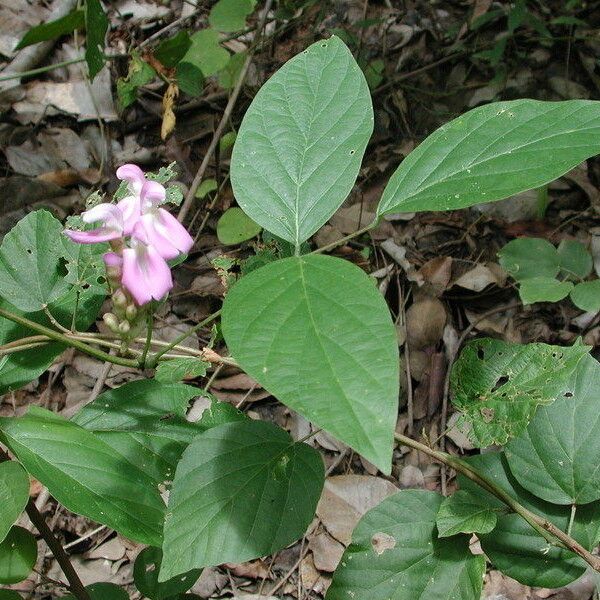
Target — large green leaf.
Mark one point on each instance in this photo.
(53, 29)
(492, 152)
(558, 457)
(464, 513)
(18, 553)
(85, 474)
(316, 333)
(32, 273)
(144, 421)
(241, 490)
(301, 142)
(514, 546)
(396, 554)
(14, 493)
(498, 385)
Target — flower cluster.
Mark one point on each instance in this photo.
(142, 236)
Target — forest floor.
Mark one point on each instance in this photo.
(426, 63)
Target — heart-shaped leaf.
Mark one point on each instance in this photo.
(18, 553)
(396, 554)
(492, 152)
(241, 490)
(464, 513)
(301, 143)
(315, 332)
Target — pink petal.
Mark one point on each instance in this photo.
(130, 209)
(112, 259)
(146, 275)
(102, 234)
(152, 194)
(133, 175)
(166, 233)
(107, 213)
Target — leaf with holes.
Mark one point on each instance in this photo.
(558, 457)
(14, 494)
(492, 152)
(241, 490)
(32, 272)
(514, 546)
(498, 385)
(464, 513)
(315, 332)
(396, 554)
(301, 143)
(85, 474)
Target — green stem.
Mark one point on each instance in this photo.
(552, 534)
(152, 362)
(344, 239)
(149, 325)
(542, 201)
(41, 70)
(65, 339)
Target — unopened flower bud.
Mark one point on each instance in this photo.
(131, 312)
(124, 327)
(111, 321)
(119, 298)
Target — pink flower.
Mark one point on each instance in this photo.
(130, 205)
(161, 228)
(146, 274)
(112, 225)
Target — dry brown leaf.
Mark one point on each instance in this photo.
(478, 278)
(327, 552)
(349, 219)
(346, 498)
(437, 273)
(112, 550)
(255, 569)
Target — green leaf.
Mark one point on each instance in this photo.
(144, 421)
(235, 227)
(396, 554)
(514, 546)
(525, 258)
(227, 141)
(586, 295)
(96, 26)
(18, 369)
(189, 78)
(140, 73)
(14, 494)
(498, 385)
(145, 575)
(575, 260)
(301, 142)
(206, 187)
(557, 458)
(53, 29)
(492, 152)
(102, 591)
(241, 490)
(85, 268)
(18, 553)
(230, 74)
(464, 513)
(9, 595)
(206, 53)
(230, 15)
(176, 369)
(85, 474)
(32, 272)
(315, 332)
(543, 289)
(171, 51)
